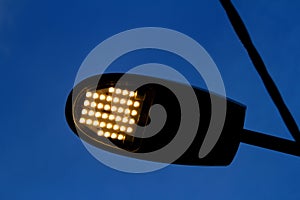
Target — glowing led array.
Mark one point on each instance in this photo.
(106, 110)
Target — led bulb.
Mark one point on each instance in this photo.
(100, 133)
(136, 104)
(88, 94)
(93, 104)
(86, 103)
(113, 136)
(111, 89)
(134, 113)
(102, 97)
(122, 101)
(95, 95)
(91, 113)
(84, 111)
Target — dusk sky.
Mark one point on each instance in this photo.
(42, 46)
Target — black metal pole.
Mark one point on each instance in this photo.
(270, 142)
(241, 31)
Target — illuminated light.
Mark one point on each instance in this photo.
(122, 101)
(100, 133)
(106, 107)
(116, 100)
(118, 91)
(93, 104)
(81, 120)
(120, 137)
(120, 110)
(125, 92)
(125, 120)
(111, 117)
(131, 121)
(102, 97)
(102, 124)
(122, 128)
(91, 113)
(109, 125)
(104, 115)
(108, 98)
(116, 127)
(95, 95)
(136, 104)
(89, 121)
(111, 89)
(131, 93)
(127, 111)
(129, 130)
(97, 114)
(129, 102)
(86, 103)
(95, 123)
(88, 94)
(100, 105)
(113, 108)
(118, 118)
(84, 111)
(106, 134)
(134, 112)
(113, 136)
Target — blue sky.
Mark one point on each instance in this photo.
(42, 45)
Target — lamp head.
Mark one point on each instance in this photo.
(112, 114)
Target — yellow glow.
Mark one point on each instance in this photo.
(102, 97)
(84, 111)
(129, 130)
(116, 100)
(91, 113)
(129, 102)
(106, 134)
(111, 117)
(104, 115)
(109, 126)
(106, 107)
(118, 91)
(86, 103)
(118, 118)
(134, 112)
(131, 93)
(82, 120)
(131, 121)
(113, 136)
(97, 114)
(111, 89)
(89, 121)
(100, 132)
(100, 105)
(108, 98)
(102, 124)
(116, 127)
(95, 123)
(122, 101)
(95, 95)
(88, 94)
(93, 104)
(113, 108)
(125, 120)
(120, 137)
(136, 104)
(127, 111)
(120, 110)
(122, 128)
(125, 92)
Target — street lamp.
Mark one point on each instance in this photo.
(106, 112)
